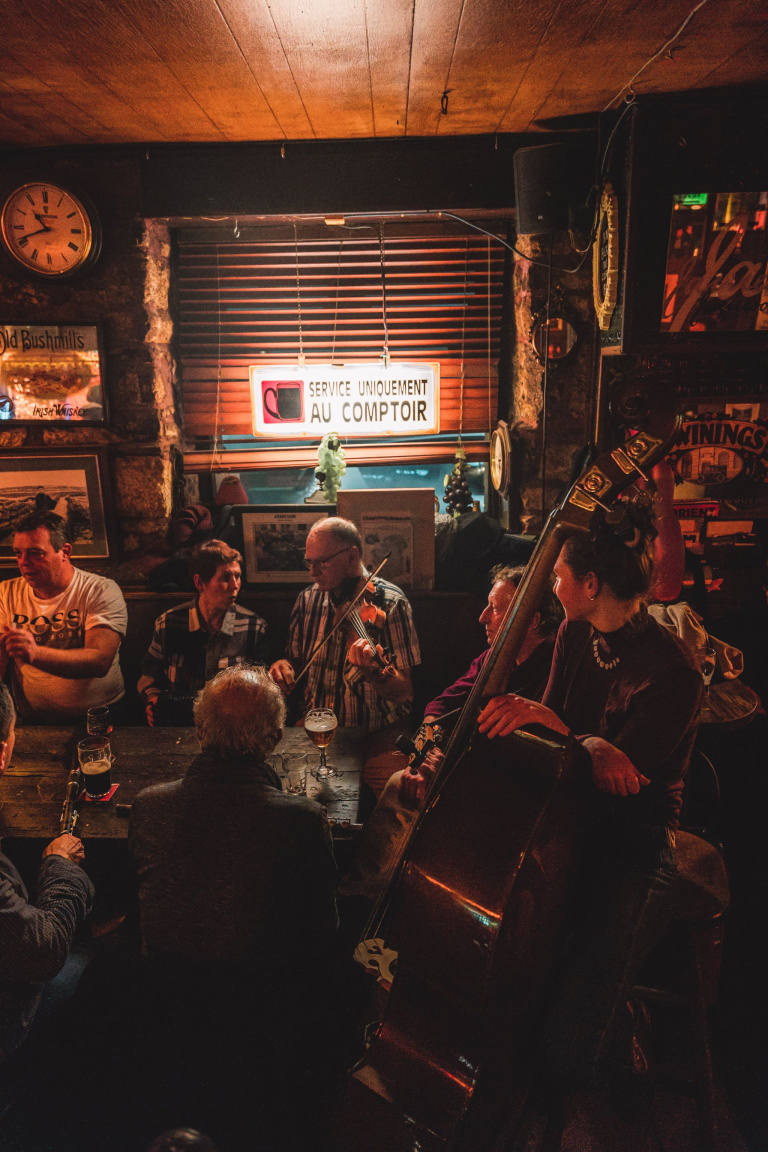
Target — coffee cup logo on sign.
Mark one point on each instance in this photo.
(282, 401)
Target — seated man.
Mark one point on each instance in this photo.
(387, 829)
(35, 939)
(60, 627)
(234, 875)
(345, 675)
(193, 642)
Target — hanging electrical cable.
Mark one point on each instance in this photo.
(385, 351)
(298, 292)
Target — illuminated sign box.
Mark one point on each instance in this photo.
(351, 400)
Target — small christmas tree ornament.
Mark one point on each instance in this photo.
(458, 495)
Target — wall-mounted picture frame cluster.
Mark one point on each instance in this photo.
(51, 374)
(69, 484)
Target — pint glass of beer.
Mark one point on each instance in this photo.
(95, 756)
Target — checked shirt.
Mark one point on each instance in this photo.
(330, 681)
(183, 656)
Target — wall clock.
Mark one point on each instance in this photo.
(49, 231)
(605, 259)
(501, 450)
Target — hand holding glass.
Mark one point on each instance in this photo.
(95, 756)
(320, 725)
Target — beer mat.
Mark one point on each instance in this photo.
(99, 799)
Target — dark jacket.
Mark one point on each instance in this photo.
(234, 874)
(35, 939)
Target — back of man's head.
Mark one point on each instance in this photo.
(56, 526)
(240, 710)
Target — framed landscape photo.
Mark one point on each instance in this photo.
(69, 485)
(273, 539)
(51, 374)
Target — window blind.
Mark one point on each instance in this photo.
(251, 300)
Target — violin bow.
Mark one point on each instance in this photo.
(350, 607)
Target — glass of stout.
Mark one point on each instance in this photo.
(320, 725)
(95, 756)
(99, 721)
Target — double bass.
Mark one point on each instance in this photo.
(478, 910)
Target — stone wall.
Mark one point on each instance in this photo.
(127, 293)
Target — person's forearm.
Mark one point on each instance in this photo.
(147, 684)
(73, 663)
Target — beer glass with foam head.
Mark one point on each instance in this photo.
(95, 756)
(320, 725)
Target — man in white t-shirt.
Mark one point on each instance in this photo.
(60, 627)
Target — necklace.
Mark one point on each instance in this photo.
(603, 663)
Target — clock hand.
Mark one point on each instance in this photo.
(37, 232)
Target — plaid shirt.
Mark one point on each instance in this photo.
(184, 656)
(330, 682)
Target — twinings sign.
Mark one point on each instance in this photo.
(351, 400)
(715, 450)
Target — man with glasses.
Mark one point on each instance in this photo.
(345, 675)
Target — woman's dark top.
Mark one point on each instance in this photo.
(639, 689)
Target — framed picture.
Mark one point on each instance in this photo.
(272, 540)
(398, 523)
(51, 374)
(69, 485)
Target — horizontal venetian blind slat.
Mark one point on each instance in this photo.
(262, 302)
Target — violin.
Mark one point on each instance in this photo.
(350, 612)
(365, 619)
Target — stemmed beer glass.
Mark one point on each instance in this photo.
(320, 724)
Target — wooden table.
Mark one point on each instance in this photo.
(728, 705)
(33, 786)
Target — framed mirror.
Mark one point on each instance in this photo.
(554, 341)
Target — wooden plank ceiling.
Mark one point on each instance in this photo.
(118, 71)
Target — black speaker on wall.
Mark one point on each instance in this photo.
(541, 189)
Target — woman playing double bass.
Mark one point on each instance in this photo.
(629, 691)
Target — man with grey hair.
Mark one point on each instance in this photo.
(345, 676)
(234, 876)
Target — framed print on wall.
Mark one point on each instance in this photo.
(51, 374)
(69, 485)
(273, 539)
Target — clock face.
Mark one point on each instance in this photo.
(49, 231)
(499, 460)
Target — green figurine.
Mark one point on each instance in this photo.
(331, 466)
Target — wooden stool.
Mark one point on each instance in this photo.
(684, 969)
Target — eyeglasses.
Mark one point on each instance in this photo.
(323, 564)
